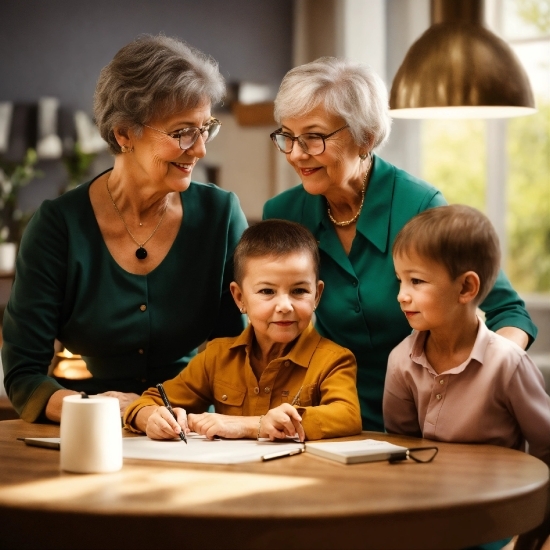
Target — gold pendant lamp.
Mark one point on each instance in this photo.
(460, 69)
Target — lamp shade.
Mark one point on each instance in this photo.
(459, 69)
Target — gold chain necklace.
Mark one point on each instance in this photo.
(141, 253)
(363, 190)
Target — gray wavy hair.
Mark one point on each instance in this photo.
(347, 89)
(151, 77)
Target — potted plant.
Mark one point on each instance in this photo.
(13, 176)
(77, 163)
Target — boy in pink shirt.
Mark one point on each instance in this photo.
(453, 379)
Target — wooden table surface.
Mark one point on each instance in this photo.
(467, 495)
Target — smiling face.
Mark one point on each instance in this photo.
(428, 296)
(279, 295)
(158, 157)
(323, 174)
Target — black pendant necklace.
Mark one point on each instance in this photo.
(141, 253)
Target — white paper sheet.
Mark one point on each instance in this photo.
(205, 451)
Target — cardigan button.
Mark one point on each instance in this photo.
(143, 307)
(224, 397)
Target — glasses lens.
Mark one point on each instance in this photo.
(312, 143)
(211, 131)
(283, 142)
(188, 137)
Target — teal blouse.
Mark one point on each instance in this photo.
(359, 308)
(132, 330)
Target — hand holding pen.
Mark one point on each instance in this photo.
(170, 409)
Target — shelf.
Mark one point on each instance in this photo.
(254, 114)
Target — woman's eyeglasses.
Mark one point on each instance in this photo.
(311, 143)
(418, 454)
(188, 136)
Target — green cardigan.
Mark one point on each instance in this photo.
(359, 308)
(68, 286)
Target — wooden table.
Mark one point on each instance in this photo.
(467, 495)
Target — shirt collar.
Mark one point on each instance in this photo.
(301, 352)
(476, 355)
(374, 221)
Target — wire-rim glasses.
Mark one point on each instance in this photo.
(311, 143)
(188, 136)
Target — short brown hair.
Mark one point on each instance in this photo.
(275, 238)
(153, 76)
(457, 236)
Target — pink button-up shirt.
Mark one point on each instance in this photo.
(496, 396)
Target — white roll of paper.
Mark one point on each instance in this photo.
(91, 434)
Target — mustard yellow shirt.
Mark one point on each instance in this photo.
(322, 372)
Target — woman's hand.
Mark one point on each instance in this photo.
(222, 425)
(162, 425)
(282, 421)
(124, 399)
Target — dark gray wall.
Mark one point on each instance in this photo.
(57, 48)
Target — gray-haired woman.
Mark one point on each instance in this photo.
(132, 269)
(333, 113)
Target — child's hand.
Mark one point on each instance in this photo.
(282, 421)
(162, 425)
(222, 425)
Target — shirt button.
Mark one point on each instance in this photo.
(357, 309)
(287, 363)
(267, 390)
(224, 397)
(354, 283)
(438, 396)
(442, 381)
(256, 390)
(140, 351)
(143, 307)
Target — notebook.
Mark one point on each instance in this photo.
(353, 452)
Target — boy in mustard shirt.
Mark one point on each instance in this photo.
(279, 377)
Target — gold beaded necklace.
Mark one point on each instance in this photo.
(363, 191)
(141, 253)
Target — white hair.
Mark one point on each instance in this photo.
(347, 89)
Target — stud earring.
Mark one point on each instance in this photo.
(242, 310)
(363, 157)
(126, 149)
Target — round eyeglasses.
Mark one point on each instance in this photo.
(188, 136)
(311, 143)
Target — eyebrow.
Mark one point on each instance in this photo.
(275, 284)
(308, 129)
(189, 124)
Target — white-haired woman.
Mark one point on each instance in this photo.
(333, 113)
(132, 269)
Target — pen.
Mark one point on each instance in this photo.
(280, 454)
(170, 409)
(297, 397)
